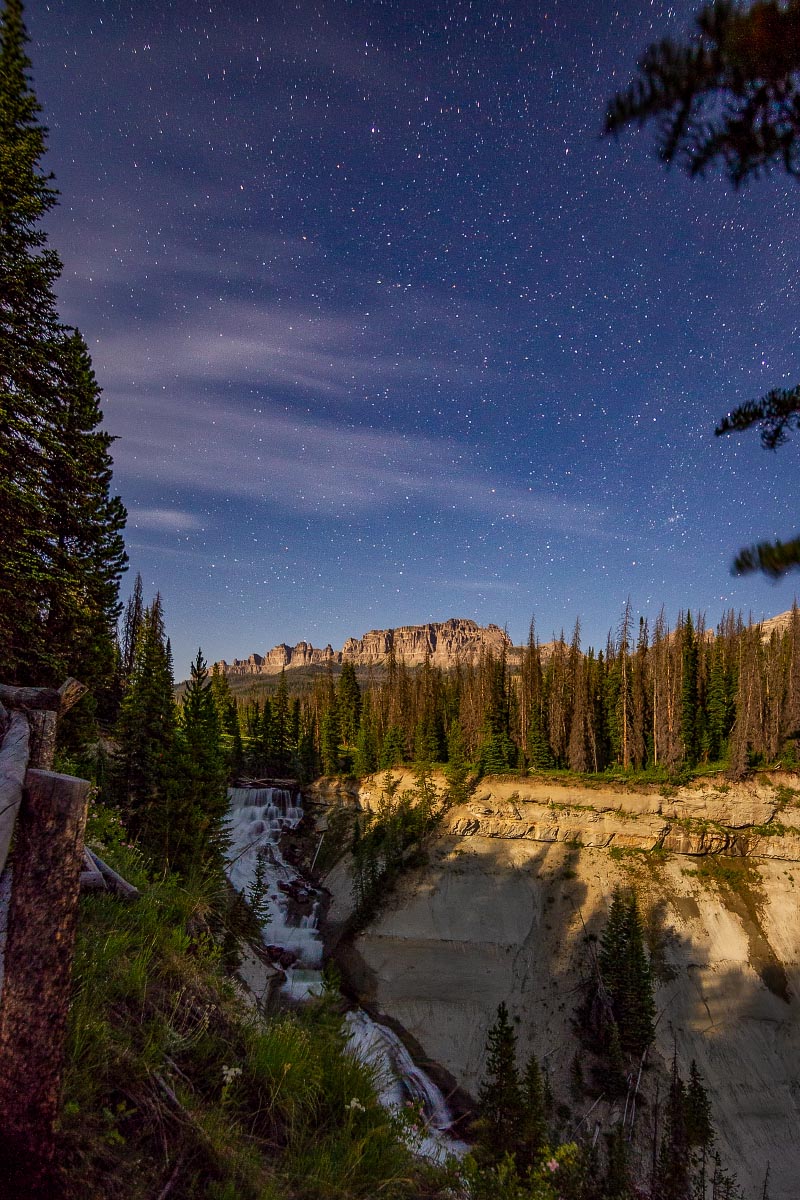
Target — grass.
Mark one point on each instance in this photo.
(175, 1081)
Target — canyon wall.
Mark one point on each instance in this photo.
(516, 889)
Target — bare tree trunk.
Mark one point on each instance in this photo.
(38, 964)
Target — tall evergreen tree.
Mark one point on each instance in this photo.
(673, 1182)
(194, 817)
(60, 531)
(500, 1097)
(145, 732)
(689, 692)
(348, 696)
(626, 973)
(28, 339)
(86, 552)
(533, 1116)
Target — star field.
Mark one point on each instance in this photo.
(388, 333)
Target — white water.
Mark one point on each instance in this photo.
(256, 820)
(399, 1081)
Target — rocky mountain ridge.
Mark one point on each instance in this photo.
(444, 643)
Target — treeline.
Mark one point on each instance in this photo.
(662, 700)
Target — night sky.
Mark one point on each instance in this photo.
(388, 333)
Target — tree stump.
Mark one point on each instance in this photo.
(35, 999)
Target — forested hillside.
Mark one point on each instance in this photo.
(660, 701)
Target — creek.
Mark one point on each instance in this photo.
(291, 908)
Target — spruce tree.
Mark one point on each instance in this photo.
(393, 749)
(28, 340)
(689, 697)
(457, 770)
(348, 695)
(145, 732)
(194, 819)
(673, 1181)
(366, 756)
(282, 750)
(330, 740)
(60, 530)
(86, 552)
(533, 1118)
(626, 973)
(500, 1097)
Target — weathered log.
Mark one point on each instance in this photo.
(36, 989)
(114, 882)
(91, 879)
(70, 693)
(13, 764)
(52, 699)
(44, 726)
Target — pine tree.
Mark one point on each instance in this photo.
(617, 1184)
(533, 1120)
(145, 732)
(281, 748)
(60, 531)
(330, 740)
(393, 749)
(28, 339)
(86, 552)
(457, 770)
(228, 718)
(673, 1163)
(689, 696)
(500, 1098)
(625, 971)
(348, 696)
(131, 624)
(194, 818)
(366, 756)
(699, 1129)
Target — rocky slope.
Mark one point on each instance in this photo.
(519, 877)
(445, 643)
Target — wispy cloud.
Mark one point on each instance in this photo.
(168, 520)
(311, 466)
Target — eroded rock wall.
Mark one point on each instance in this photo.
(444, 643)
(522, 876)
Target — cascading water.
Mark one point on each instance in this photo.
(257, 818)
(400, 1081)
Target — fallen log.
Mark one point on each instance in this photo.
(91, 879)
(56, 700)
(113, 881)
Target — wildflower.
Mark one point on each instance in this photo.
(229, 1074)
(552, 1165)
(355, 1105)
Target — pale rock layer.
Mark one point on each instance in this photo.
(523, 874)
(445, 644)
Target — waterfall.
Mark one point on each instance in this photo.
(399, 1081)
(257, 818)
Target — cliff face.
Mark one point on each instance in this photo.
(445, 643)
(521, 876)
